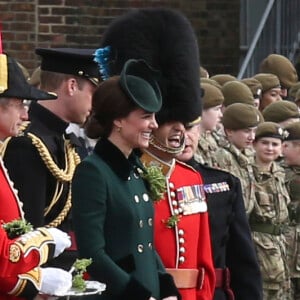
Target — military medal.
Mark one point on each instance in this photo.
(191, 199)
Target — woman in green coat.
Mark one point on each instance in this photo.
(112, 210)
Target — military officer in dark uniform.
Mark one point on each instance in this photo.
(236, 267)
(42, 161)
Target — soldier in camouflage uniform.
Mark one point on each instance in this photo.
(291, 152)
(283, 68)
(269, 217)
(211, 117)
(240, 121)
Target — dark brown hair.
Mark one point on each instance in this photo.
(108, 104)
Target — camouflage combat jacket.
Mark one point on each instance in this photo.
(207, 146)
(268, 221)
(231, 159)
(292, 181)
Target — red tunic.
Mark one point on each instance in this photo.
(20, 256)
(187, 245)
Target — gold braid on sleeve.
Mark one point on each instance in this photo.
(63, 176)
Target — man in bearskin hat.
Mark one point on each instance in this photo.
(22, 255)
(165, 39)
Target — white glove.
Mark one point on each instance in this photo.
(55, 281)
(61, 239)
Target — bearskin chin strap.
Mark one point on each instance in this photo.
(159, 146)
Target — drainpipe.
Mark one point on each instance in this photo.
(255, 38)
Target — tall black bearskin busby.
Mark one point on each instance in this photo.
(165, 39)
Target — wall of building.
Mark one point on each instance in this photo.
(29, 24)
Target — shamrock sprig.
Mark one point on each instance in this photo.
(156, 180)
(79, 268)
(17, 227)
(172, 221)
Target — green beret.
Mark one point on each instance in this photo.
(211, 81)
(241, 116)
(280, 111)
(237, 92)
(282, 67)
(223, 78)
(293, 90)
(138, 81)
(293, 131)
(212, 96)
(269, 129)
(254, 85)
(268, 81)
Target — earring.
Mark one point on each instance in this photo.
(119, 129)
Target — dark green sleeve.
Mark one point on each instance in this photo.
(89, 194)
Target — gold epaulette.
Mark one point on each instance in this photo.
(61, 175)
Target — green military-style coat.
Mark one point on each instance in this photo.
(113, 222)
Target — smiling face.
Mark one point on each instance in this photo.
(12, 113)
(267, 149)
(134, 130)
(169, 135)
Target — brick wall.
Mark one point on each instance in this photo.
(80, 23)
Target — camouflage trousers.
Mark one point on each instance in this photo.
(280, 293)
